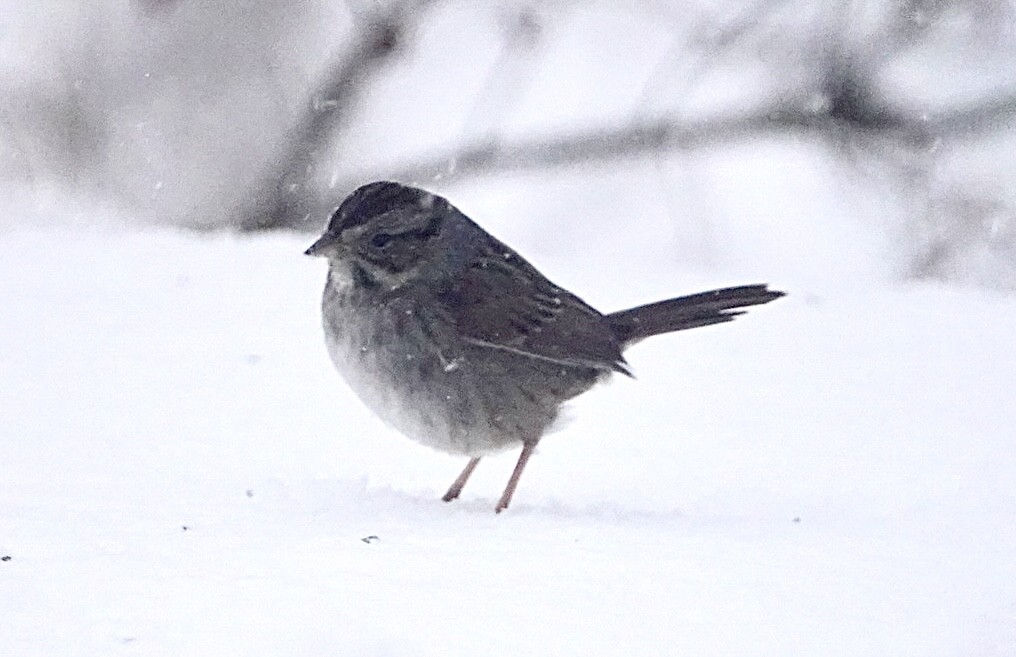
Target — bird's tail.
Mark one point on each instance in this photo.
(691, 311)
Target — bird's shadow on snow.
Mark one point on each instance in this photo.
(359, 498)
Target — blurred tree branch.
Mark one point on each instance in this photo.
(842, 103)
(845, 111)
(282, 199)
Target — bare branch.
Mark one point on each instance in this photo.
(282, 199)
(845, 106)
(997, 113)
(603, 146)
(600, 146)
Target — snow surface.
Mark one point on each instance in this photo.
(184, 474)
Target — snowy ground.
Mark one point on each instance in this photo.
(184, 474)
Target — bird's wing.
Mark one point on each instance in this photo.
(500, 301)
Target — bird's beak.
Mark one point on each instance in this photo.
(325, 246)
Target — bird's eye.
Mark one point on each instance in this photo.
(381, 240)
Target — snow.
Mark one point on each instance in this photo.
(184, 474)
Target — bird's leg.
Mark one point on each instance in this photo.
(513, 482)
(457, 485)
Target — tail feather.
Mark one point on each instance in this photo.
(692, 311)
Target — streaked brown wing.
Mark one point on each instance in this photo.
(501, 301)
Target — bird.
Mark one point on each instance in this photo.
(456, 341)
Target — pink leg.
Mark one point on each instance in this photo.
(513, 482)
(457, 485)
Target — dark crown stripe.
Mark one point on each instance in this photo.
(374, 200)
